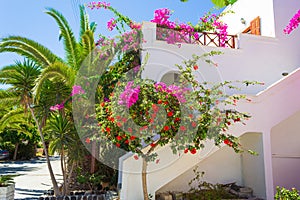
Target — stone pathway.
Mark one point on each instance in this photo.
(34, 177)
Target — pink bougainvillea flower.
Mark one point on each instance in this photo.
(130, 95)
(76, 89)
(111, 24)
(98, 5)
(57, 107)
(137, 26)
(293, 24)
(161, 16)
(137, 68)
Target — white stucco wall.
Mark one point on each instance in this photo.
(226, 166)
(252, 166)
(248, 10)
(223, 166)
(285, 138)
(258, 58)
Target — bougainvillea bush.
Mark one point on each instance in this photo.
(174, 32)
(115, 107)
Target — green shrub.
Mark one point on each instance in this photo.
(6, 180)
(285, 194)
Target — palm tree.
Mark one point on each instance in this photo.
(62, 134)
(48, 70)
(21, 77)
(13, 122)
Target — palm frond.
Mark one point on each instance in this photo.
(9, 98)
(84, 22)
(56, 70)
(88, 44)
(29, 49)
(70, 44)
(11, 116)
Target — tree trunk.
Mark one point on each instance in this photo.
(144, 179)
(70, 176)
(35, 149)
(16, 151)
(93, 159)
(54, 182)
(63, 170)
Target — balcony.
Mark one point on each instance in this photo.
(205, 38)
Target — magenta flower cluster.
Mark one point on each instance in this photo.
(137, 26)
(130, 95)
(57, 107)
(161, 17)
(173, 90)
(293, 24)
(111, 24)
(130, 41)
(222, 32)
(99, 4)
(76, 89)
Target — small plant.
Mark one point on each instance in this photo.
(92, 180)
(205, 190)
(285, 194)
(6, 180)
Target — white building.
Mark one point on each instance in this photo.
(274, 129)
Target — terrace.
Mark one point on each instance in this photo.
(205, 38)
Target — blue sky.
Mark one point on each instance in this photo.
(27, 18)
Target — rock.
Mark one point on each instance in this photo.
(164, 196)
(177, 196)
(234, 192)
(245, 192)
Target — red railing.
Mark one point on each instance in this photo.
(205, 38)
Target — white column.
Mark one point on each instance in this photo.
(268, 164)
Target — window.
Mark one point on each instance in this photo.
(254, 27)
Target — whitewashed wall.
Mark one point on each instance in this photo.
(257, 58)
(285, 138)
(252, 167)
(223, 166)
(248, 10)
(226, 166)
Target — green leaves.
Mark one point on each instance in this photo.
(222, 3)
(6, 180)
(219, 3)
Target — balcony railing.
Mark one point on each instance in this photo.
(205, 38)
